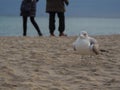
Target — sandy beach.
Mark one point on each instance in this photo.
(50, 63)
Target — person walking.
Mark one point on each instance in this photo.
(54, 7)
(28, 9)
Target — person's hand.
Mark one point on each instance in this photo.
(67, 3)
(37, 0)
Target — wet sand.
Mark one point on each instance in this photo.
(50, 63)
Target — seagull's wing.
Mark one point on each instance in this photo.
(95, 45)
(95, 49)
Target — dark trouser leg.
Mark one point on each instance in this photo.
(35, 25)
(61, 22)
(52, 22)
(24, 25)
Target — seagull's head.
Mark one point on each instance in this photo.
(82, 36)
(84, 33)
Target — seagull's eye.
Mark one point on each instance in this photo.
(84, 34)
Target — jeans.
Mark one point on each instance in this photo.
(34, 24)
(61, 17)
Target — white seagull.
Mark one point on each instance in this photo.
(86, 45)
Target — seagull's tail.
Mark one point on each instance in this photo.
(103, 50)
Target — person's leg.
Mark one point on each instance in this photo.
(52, 23)
(35, 25)
(24, 25)
(61, 23)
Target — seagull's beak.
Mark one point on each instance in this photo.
(82, 36)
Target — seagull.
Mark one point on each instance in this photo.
(86, 45)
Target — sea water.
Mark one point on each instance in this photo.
(12, 26)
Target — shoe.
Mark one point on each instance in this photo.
(52, 34)
(40, 35)
(62, 34)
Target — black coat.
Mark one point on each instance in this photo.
(56, 5)
(28, 8)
